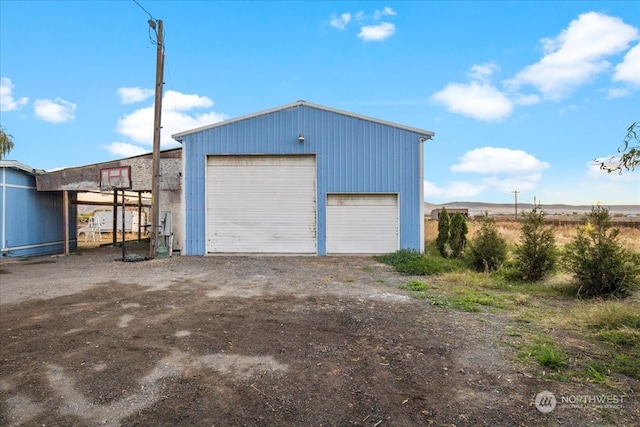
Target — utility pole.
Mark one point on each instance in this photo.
(157, 126)
(515, 192)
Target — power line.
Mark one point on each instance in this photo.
(175, 107)
(145, 10)
(153, 21)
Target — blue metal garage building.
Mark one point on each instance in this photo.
(303, 179)
(31, 220)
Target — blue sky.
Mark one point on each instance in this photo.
(521, 95)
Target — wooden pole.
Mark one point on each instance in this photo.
(155, 191)
(515, 192)
(139, 215)
(65, 222)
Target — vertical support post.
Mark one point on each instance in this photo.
(114, 239)
(124, 228)
(139, 215)
(155, 181)
(65, 222)
(420, 159)
(515, 192)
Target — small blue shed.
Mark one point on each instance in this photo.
(303, 179)
(31, 220)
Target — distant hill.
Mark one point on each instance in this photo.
(478, 208)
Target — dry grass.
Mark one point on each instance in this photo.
(552, 334)
(629, 237)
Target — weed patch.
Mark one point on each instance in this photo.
(624, 337)
(608, 315)
(470, 301)
(417, 286)
(414, 263)
(545, 353)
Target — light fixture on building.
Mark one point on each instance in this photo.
(300, 138)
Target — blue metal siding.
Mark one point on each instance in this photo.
(353, 156)
(31, 220)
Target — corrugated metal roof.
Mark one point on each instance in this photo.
(427, 134)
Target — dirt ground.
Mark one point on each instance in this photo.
(255, 341)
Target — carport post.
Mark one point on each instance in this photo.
(65, 222)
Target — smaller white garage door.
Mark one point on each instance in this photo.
(362, 223)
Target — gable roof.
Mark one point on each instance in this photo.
(14, 164)
(425, 133)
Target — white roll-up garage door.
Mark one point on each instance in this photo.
(261, 204)
(362, 223)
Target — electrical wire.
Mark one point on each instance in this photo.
(165, 64)
(153, 42)
(173, 99)
(145, 10)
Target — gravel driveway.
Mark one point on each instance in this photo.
(253, 341)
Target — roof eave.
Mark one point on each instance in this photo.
(425, 134)
(21, 166)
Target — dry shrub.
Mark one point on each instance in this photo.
(510, 230)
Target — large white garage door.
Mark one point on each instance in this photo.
(362, 223)
(261, 204)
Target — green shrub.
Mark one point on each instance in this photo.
(549, 356)
(416, 286)
(535, 256)
(458, 234)
(599, 263)
(412, 262)
(421, 267)
(488, 249)
(444, 232)
(400, 256)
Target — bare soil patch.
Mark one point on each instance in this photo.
(253, 341)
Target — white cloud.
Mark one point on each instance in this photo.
(482, 72)
(130, 95)
(576, 55)
(564, 110)
(184, 101)
(523, 183)
(371, 29)
(477, 100)
(387, 11)
(521, 99)
(504, 170)
(629, 69)
(617, 93)
(378, 32)
(492, 160)
(138, 125)
(612, 188)
(340, 22)
(7, 101)
(455, 190)
(124, 149)
(460, 190)
(612, 161)
(54, 111)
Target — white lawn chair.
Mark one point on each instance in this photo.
(91, 230)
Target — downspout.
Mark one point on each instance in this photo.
(422, 140)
